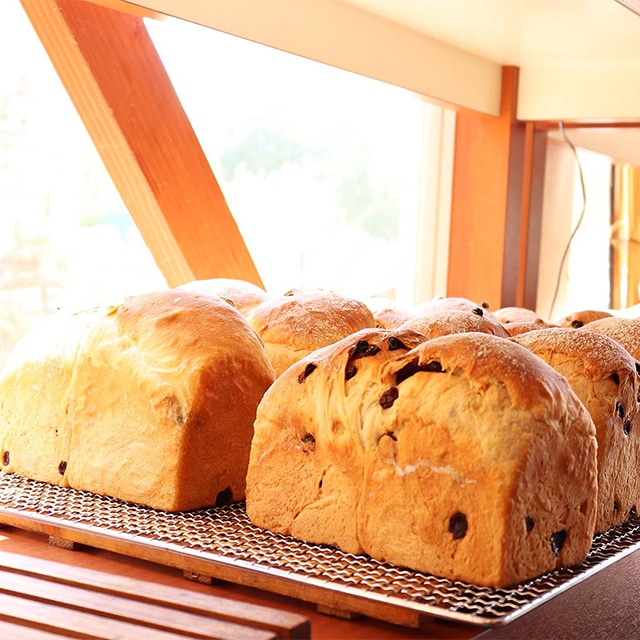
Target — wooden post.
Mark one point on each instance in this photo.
(119, 86)
(494, 187)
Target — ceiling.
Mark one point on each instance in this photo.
(579, 60)
(534, 33)
(523, 33)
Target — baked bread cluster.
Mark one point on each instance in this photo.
(151, 401)
(482, 446)
(465, 456)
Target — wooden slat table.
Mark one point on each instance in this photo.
(59, 598)
(147, 578)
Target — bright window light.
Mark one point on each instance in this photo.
(66, 239)
(322, 170)
(320, 167)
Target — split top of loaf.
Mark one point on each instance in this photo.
(464, 456)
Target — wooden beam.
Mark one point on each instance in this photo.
(496, 205)
(348, 37)
(531, 240)
(119, 86)
(479, 199)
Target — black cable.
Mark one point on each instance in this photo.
(580, 218)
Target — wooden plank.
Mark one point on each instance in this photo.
(625, 237)
(12, 630)
(323, 626)
(272, 582)
(528, 286)
(74, 624)
(347, 37)
(118, 84)
(101, 591)
(162, 616)
(496, 205)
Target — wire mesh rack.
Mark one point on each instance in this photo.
(222, 542)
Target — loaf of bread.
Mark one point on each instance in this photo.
(388, 313)
(625, 331)
(524, 325)
(514, 314)
(151, 401)
(447, 303)
(604, 377)
(243, 295)
(441, 323)
(298, 322)
(581, 317)
(464, 456)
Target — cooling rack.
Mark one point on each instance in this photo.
(221, 543)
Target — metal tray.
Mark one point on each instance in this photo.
(221, 543)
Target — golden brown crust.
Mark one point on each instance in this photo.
(465, 456)
(159, 396)
(625, 331)
(442, 323)
(447, 303)
(387, 312)
(243, 295)
(391, 318)
(297, 323)
(604, 377)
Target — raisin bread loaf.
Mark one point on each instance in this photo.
(582, 317)
(298, 322)
(604, 377)
(625, 331)
(465, 456)
(514, 314)
(151, 401)
(441, 323)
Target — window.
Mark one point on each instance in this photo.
(574, 272)
(323, 171)
(321, 168)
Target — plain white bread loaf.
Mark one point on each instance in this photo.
(151, 401)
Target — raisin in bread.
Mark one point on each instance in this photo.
(604, 377)
(464, 456)
(151, 401)
(298, 322)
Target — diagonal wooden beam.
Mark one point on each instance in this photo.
(120, 88)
